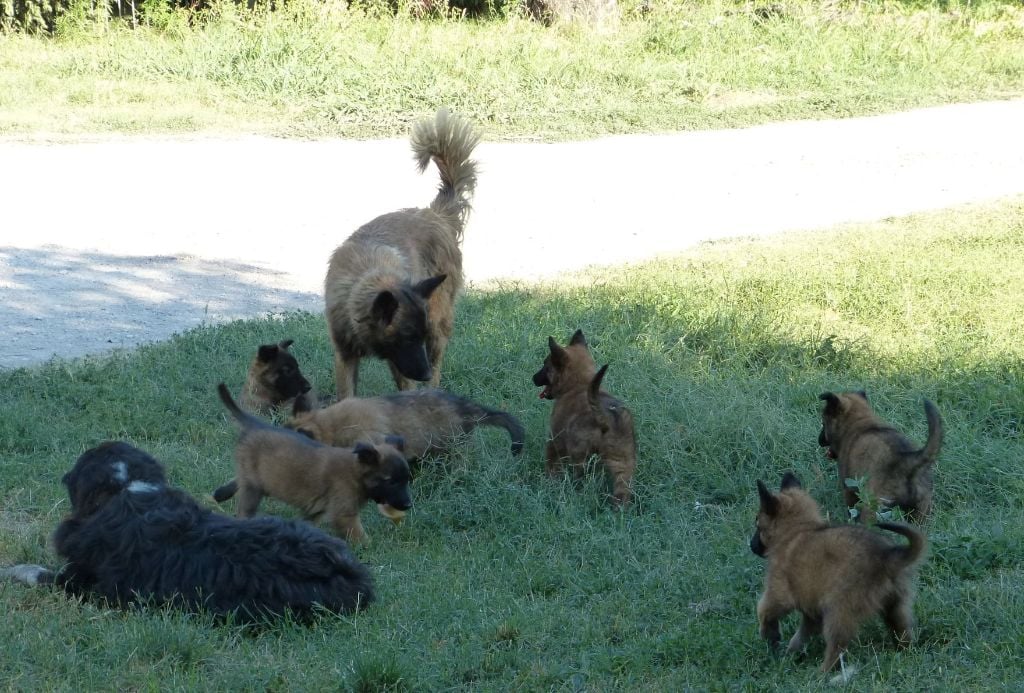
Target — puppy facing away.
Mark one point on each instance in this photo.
(320, 480)
(131, 538)
(427, 419)
(391, 286)
(586, 420)
(898, 472)
(275, 381)
(836, 576)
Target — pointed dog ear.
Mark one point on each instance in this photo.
(384, 307)
(397, 442)
(790, 480)
(578, 338)
(367, 454)
(558, 356)
(267, 352)
(863, 393)
(426, 287)
(284, 344)
(831, 402)
(769, 503)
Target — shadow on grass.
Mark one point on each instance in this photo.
(58, 300)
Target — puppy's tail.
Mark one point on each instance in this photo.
(448, 140)
(501, 419)
(222, 493)
(594, 400)
(243, 418)
(935, 430)
(906, 556)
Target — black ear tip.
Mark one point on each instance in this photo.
(790, 480)
(825, 396)
(286, 343)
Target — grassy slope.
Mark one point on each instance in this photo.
(503, 579)
(319, 70)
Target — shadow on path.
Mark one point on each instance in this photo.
(61, 301)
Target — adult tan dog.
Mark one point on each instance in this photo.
(391, 287)
(837, 576)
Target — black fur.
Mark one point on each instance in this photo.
(131, 538)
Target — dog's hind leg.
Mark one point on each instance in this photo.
(621, 472)
(837, 636)
(900, 620)
(808, 627)
(249, 498)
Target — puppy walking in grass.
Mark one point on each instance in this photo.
(586, 420)
(320, 480)
(391, 287)
(898, 472)
(836, 576)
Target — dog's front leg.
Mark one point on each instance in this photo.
(552, 462)
(346, 374)
(435, 351)
(349, 527)
(768, 614)
(401, 382)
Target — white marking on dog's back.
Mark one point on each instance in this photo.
(142, 487)
(120, 471)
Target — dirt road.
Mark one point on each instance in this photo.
(114, 242)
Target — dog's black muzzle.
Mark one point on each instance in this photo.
(756, 545)
(540, 378)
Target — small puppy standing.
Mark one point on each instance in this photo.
(836, 576)
(586, 420)
(320, 480)
(898, 473)
(131, 538)
(390, 288)
(275, 381)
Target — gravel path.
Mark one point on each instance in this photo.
(111, 243)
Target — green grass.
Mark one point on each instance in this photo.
(501, 579)
(319, 69)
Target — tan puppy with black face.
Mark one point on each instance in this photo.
(586, 420)
(836, 576)
(320, 480)
(898, 472)
(275, 381)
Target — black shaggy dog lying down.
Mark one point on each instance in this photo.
(131, 538)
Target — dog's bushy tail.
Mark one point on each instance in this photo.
(449, 141)
(594, 399)
(502, 419)
(906, 556)
(222, 493)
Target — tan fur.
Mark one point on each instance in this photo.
(836, 576)
(429, 420)
(898, 473)
(320, 480)
(586, 420)
(266, 388)
(396, 251)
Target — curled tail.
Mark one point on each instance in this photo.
(594, 399)
(222, 493)
(236, 411)
(906, 556)
(448, 140)
(501, 419)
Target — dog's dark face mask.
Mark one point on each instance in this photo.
(387, 481)
(281, 370)
(105, 471)
(400, 323)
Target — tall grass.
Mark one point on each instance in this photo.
(502, 579)
(321, 68)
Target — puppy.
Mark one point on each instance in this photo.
(835, 576)
(275, 381)
(586, 420)
(427, 419)
(390, 288)
(132, 539)
(318, 479)
(898, 473)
